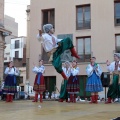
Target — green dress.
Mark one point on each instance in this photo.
(63, 91)
(65, 44)
(114, 90)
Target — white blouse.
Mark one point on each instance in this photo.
(90, 68)
(12, 71)
(111, 67)
(66, 71)
(38, 69)
(46, 41)
(75, 71)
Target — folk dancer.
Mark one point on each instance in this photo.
(114, 69)
(63, 92)
(55, 47)
(73, 82)
(39, 83)
(94, 84)
(10, 86)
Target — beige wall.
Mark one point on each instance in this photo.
(1, 57)
(102, 30)
(1, 11)
(1, 38)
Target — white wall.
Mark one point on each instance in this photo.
(22, 41)
(7, 53)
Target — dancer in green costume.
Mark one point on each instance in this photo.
(114, 69)
(55, 47)
(63, 92)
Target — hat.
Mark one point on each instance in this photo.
(47, 27)
(67, 62)
(117, 54)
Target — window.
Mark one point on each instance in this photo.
(8, 53)
(21, 80)
(5, 58)
(16, 54)
(16, 44)
(83, 18)
(84, 48)
(48, 16)
(117, 13)
(117, 44)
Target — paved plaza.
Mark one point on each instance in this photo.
(53, 110)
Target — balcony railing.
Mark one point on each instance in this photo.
(117, 20)
(83, 24)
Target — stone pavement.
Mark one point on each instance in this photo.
(53, 110)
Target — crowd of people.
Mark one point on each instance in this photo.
(70, 86)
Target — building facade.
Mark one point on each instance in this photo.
(15, 50)
(93, 26)
(18, 56)
(11, 25)
(3, 33)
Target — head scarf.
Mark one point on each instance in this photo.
(47, 27)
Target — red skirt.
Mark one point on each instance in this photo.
(73, 84)
(39, 87)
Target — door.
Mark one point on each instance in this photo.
(50, 83)
(82, 81)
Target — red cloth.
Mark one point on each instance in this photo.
(41, 86)
(73, 85)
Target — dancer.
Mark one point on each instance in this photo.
(114, 69)
(94, 84)
(63, 92)
(39, 83)
(10, 87)
(55, 47)
(73, 82)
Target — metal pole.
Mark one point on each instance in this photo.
(105, 95)
(28, 90)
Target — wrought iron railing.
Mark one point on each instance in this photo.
(83, 24)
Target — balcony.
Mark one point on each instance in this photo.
(83, 24)
(117, 20)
